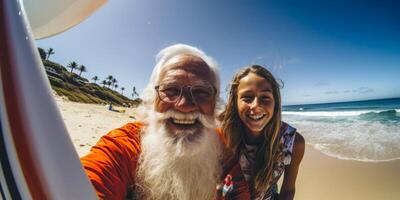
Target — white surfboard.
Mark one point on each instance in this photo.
(38, 159)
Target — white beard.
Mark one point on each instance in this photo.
(171, 168)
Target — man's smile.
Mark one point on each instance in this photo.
(183, 121)
(188, 126)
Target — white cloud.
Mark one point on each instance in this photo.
(331, 92)
(275, 62)
(321, 83)
(363, 90)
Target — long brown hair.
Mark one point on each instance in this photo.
(234, 129)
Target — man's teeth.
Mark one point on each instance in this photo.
(256, 117)
(179, 121)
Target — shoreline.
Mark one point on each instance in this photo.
(320, 176)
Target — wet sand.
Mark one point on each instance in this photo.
(324, 177)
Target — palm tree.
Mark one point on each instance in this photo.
(49, 53)
(134, 92)
(114, 81)
(104, 82)
(82, 68)
(109, 77)
(72, 65)
(42, 53)
(95, 78)
(115, 86)
(122, 90)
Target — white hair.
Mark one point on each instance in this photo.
(149, 94)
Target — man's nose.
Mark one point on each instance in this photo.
(185, 103)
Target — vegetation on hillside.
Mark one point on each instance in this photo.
(78, 89)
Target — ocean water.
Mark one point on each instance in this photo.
(359, 130)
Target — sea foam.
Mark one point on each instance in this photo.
(336, 113)
(367, 135)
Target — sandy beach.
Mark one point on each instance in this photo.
(86, 123)
(324, 177)
(320, 177)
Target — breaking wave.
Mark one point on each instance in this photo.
(343, 113)
(366, 135)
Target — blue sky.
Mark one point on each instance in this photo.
(323, 52)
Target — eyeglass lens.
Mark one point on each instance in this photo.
(171, 93)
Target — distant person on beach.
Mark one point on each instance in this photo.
(173, 151)
(265, 146)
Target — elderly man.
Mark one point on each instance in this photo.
(173, 152)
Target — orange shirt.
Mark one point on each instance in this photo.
(111, 164)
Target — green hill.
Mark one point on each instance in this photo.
(78, 89)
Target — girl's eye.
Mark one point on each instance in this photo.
(247, 99)
(266, 98)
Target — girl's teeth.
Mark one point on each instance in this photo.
(256, 117)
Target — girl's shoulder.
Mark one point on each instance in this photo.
(287, 129)
(289, 136)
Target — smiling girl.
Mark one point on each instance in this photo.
(264, 146)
